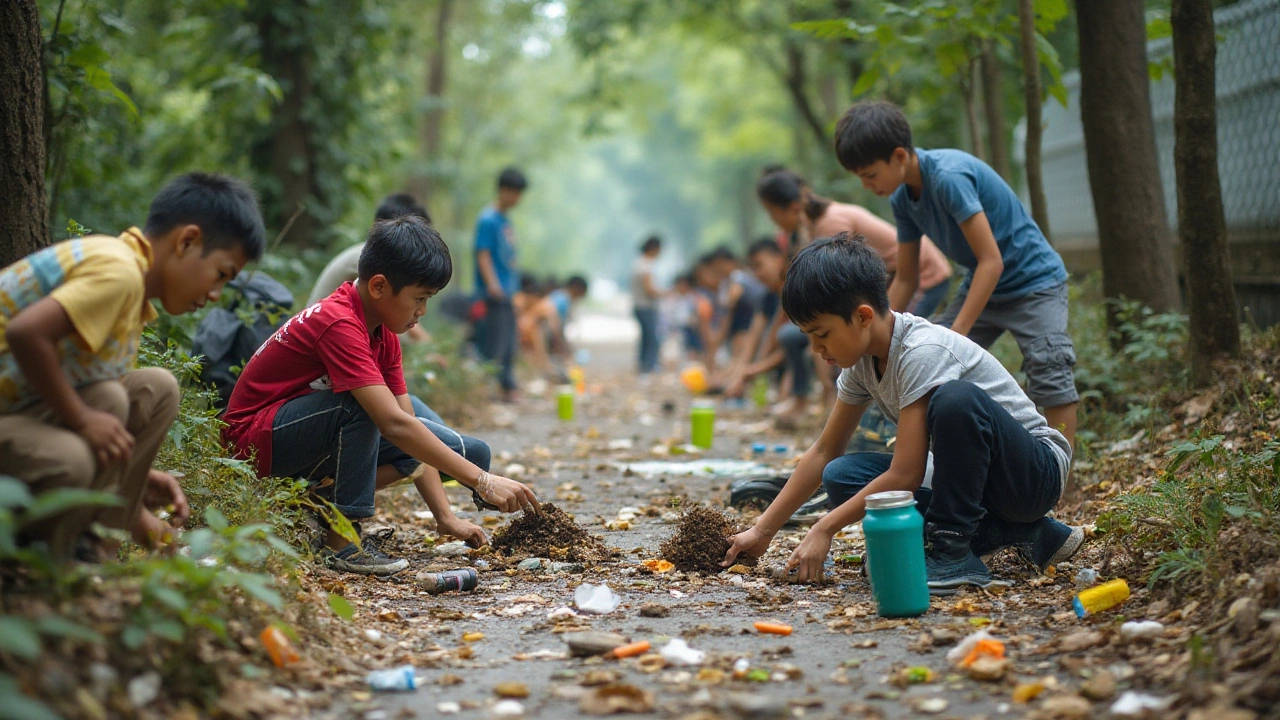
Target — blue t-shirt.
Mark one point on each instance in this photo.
(495, 234)
(560, 300)
(958, 186)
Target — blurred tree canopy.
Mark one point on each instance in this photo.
(628, 116)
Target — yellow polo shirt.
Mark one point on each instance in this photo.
(98, 281)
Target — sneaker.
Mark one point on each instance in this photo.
(946, 576)
(369, 561)
(1051, 542)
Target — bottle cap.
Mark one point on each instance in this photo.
(890, 499)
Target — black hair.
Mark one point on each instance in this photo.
(577, 281)
(398, 205)
(225, 209)
(530, 284)
(513, 179)
(407, 251)
(772, 168)
(835, 275)
(764, 245)
(784, 187)
(686, 278)
(871, 131)
(653, 242)
(723, 252)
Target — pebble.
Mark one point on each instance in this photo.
(757, 707)
(1083, 640)
(586, 644)
(1065, 707)
(988, 669)
(1244, 614)
(511, 690)
(1102, 686)
(654, 610)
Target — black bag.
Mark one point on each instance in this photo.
(759, 491)
(228, 336)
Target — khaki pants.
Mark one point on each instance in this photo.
(37, 449)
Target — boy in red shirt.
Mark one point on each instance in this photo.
(325, 398)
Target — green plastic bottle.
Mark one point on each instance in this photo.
(895, 554)
(564, 403)
(703, 420)
(760, 391)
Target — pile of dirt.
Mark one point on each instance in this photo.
(701, 540)
(553, 533)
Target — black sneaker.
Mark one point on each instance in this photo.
(946, 576)
(369, 561)
(1051, 542)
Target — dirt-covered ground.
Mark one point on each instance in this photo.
(502, 648)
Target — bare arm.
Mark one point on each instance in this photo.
(484, 260)
(985, 277)
(406, 432)
(907, 279)
(32, 336)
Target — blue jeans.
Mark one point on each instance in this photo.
(930, 300)
(991, 477)
(649, 342)
(799, 359)
(329, 435)
(499, 340)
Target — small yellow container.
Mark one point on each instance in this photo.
(1103, 597)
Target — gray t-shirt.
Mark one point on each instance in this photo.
(339, 270)
(639, 298)
(924, 356)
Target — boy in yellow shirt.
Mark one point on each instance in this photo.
(74, 413)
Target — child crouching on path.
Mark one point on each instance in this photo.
(325, 397)
(998, 467)
(74, 413)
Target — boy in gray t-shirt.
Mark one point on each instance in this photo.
(998, 466)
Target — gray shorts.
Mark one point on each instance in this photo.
(1039, 324)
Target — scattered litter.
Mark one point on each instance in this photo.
(616, 698)
(596, 599)
(929, 706)
(448, 708)
(658, 565)
(740, 668)
(550, 567)
(1135, 704)
(400, 678)
(1102, 597)
(278, 646)
(631, 649)
(1026, 692)
(1086, 577)
(987, 669)
(462, 580)
(703, 468)
(424, 514)
(678, 652)
(451, 549)
(508, 708)
(561, 612)
(974, 646)
(771, 628)
(1141, 630)
(511, 690)
(472, 637)
(620, 444)
(144, 689)
(589, 643)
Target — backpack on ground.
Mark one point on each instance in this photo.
(230, 335)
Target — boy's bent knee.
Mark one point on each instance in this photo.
(108, 396)
(157, 390)
(478, 453)
(952, 398)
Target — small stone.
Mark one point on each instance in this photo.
(757, 707)
(1065, 707)
(654, 610)
(1244, 614)
(1102, 686)
(988, 669)
(448, 708)
(1083, 640)
(592, 678)
(929, 706)
(944, 636)
(144, 688)
(587, 644)
(511, 690)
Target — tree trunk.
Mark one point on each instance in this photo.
(796, 82)
(287, 154)
(424, 180)
(1035, 123)
(1211, 297)
(993, 104)
(968, 90)
(23, 227)
(1120, 147)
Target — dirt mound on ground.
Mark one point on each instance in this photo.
(551, 534)
(701, 540)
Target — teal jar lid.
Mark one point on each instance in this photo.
(891, 499)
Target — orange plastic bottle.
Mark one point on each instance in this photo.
(278, 646)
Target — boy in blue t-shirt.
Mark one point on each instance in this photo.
(1016, 282)
(498, 280)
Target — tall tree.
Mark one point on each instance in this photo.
(1120, 148)
(993, 106)
(1034, 97)
(1211, 298)
(23, 227)
(424, 177)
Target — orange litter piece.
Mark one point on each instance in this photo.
(278, 646)
(987, 647)
(631, 649)
(773, 628)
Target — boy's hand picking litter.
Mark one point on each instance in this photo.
(470, 533)
(808, 558)
(163, 491)
(752, 541)
(506, 494)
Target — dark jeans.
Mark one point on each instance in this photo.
(649, 343)
(991, 477)
(930, 300)
(795, 344)
(329, 435)
(499, 341)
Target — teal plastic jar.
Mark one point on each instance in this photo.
(895, 554)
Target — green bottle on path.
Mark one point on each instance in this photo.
(894, 532)
(703, 421)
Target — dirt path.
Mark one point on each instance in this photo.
(841, 660)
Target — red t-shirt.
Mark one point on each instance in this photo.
(325, 347)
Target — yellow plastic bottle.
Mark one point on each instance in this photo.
(1102, 597)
